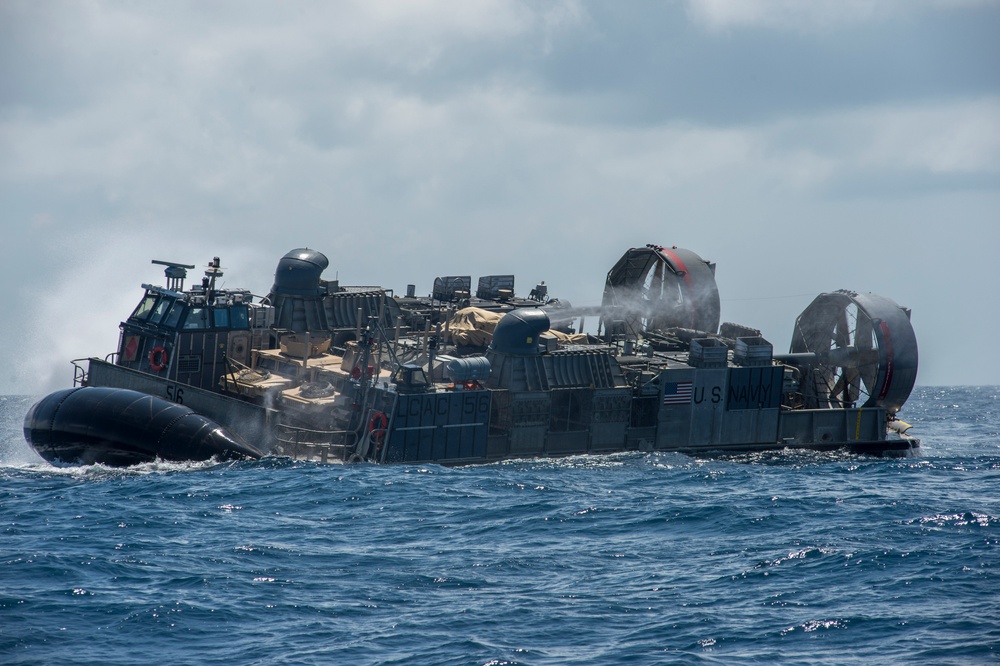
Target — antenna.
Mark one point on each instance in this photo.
(213, 271)
(175, 274)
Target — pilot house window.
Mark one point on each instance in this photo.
(197, 318)
(174, 315)
(238, 316)
(220, 317)
(145, 307)
(160, 309)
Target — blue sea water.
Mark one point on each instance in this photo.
(788, 557)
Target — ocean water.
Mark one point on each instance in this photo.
(789, 557)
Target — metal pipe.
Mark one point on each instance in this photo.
(800, 358)
(399, 326)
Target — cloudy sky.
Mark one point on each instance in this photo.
(802, 146)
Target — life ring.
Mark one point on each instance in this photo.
(158, 358)
(377, 426)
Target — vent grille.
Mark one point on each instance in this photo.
(187, 365)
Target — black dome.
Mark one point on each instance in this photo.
(299, 272)
(517, 332)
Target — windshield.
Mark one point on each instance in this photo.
(145, 307)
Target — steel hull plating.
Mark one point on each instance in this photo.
(455, 427)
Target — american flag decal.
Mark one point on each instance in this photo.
(677, 393)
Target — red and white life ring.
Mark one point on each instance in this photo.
(158, 358)
(377, 426)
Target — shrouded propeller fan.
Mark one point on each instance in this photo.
(655, 288)
(861, 351)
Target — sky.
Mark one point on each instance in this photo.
(803, 147)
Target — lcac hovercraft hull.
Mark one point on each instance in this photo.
(320, 371)
(120, 427)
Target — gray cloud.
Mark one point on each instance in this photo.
(849, 145)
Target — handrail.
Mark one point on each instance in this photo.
(322, 436)
(388, 429)
(79, 373)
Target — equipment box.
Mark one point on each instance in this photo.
(752, 351)
(708, 353)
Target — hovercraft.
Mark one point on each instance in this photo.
(325, 372)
